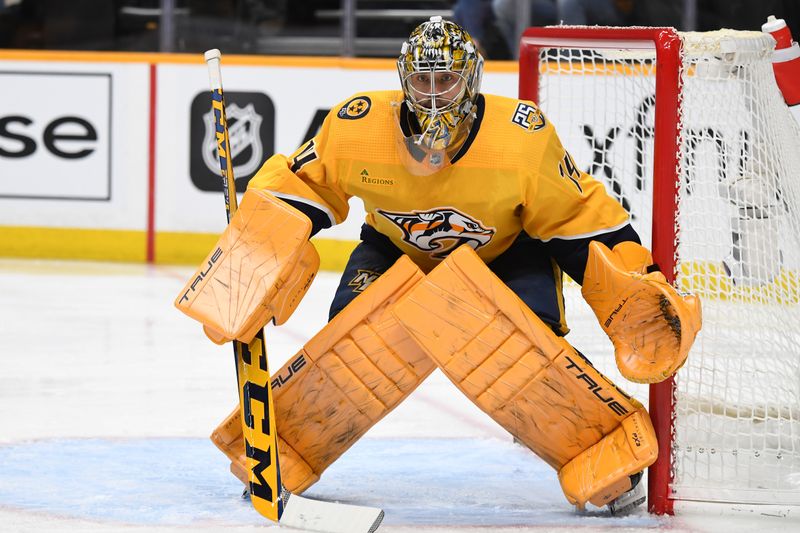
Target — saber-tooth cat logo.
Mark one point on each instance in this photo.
(440, 230)
(251, 127)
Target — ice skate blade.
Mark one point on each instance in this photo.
(629, 501)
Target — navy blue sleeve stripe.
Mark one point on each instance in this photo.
(319, 218)
(571, 255)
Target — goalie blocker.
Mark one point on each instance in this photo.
(259, 270)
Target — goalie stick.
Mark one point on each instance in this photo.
(267, 494)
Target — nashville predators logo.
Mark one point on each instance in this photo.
(362, 280)
(440, 230)
(355, 108)
(528, 117)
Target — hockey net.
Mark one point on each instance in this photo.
(690, 132)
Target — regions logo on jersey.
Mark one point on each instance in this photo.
(355, 108)
(528, 117)
(440, 230)
(362, 280)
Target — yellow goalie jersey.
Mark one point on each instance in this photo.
(511, 174)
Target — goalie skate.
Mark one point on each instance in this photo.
(626, 502)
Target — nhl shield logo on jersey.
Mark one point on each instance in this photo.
(355, 108)
(244, 124)
(528, 117)
(440, 230)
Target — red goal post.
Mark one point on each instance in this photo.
(667, 45)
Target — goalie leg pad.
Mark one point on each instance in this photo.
(260, 268)
(602, 472)
(359, 367)
(507, 361)
(229, 439)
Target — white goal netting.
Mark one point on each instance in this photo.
(737, 405)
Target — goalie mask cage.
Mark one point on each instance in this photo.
(690, 133)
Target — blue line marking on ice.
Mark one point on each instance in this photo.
(181, 481)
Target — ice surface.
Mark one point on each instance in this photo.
(108, 394)
(184, 481)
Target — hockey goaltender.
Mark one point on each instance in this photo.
(474, 212)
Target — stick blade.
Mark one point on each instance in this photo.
(329, 517)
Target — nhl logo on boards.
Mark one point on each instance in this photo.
(528, 117)
(243, 125)
(251, 128)
(355, 108)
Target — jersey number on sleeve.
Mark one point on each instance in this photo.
(304, 155)
(568, 170)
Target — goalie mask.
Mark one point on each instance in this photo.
(440, 73)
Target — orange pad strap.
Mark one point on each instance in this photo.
(358, 368)
(507, 361)
(651, 326)
(259, 270)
